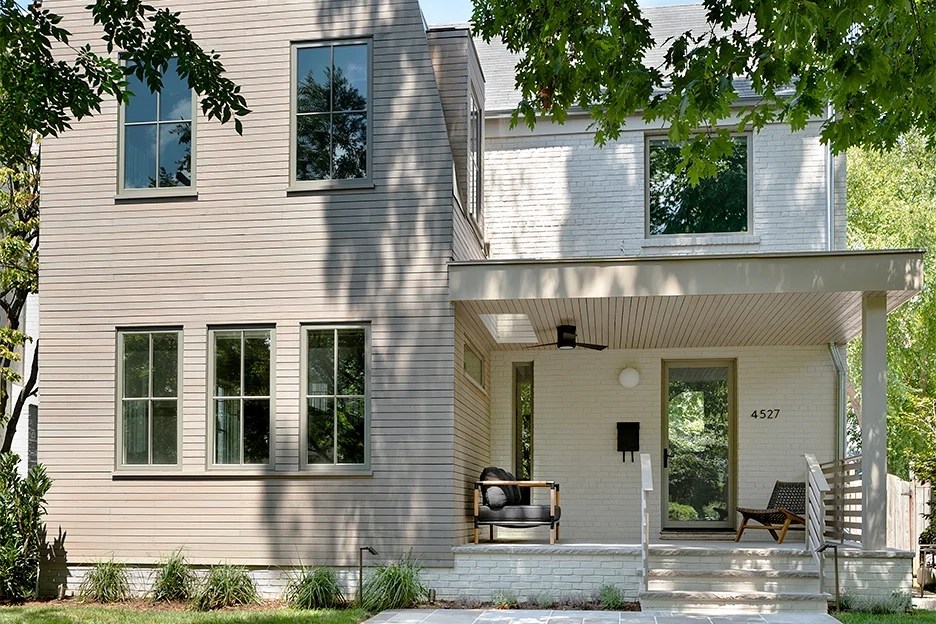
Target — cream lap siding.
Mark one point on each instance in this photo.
(247, 251)
(557, 195)
(578, 400)
(472, 421)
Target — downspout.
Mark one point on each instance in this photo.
(840, 402)
(830, 188)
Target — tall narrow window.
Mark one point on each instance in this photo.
(474, 365)
(523, 420)
(720, 204)
(241, 373)
(336, 395)
(149, 397)
(157, 135)
(475, 158)
(331, 93)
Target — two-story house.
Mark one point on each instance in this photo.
(290, 345)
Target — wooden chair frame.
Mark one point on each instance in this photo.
(778, 516)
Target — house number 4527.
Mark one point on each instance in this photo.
(768, 414)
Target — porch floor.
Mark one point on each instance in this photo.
(572, 547)
(508, 616)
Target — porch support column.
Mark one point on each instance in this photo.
(873, 421)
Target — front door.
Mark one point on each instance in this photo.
(698, 445)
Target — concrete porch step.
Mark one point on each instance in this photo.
(722, 602)
(702, 558)
(734, 580)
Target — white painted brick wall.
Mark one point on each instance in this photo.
(558, 196)
(578, 400)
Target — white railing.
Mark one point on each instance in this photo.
(816, 489)
(844, 500)
(646, 486)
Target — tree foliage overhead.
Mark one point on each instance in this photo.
(892, 204)
(41, 92)
(874, 62)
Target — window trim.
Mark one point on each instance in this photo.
(169, 191)
(650, 137)
(119, 463)
(475, 212)
(334, 468)
(210, 463)
(319, 185)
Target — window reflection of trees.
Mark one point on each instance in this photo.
(331, 143)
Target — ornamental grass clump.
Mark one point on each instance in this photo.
(612, 597)
(105, 582)
(314, 587)
(226, 586)
(394, 586)
(175, 579)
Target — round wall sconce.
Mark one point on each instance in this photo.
(629, 377)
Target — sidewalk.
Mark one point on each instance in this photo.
(516, 616)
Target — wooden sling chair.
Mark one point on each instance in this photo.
(787, 507)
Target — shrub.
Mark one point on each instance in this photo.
(679, 511)
(505, 600)
(394, 586)
(612, 597)
(226, 586)
(314, 587)
(22, 506)
(106, 582)
(898, 602)
(175, 579)
(541, 601)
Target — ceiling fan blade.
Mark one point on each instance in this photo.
(545, 344)
(596, 347)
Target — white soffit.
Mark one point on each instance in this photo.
(510, 328)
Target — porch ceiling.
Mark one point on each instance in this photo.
(682, 302)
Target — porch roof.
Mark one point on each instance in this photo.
(667, 302)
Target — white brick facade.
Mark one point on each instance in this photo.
(554, 194)
(578, 400)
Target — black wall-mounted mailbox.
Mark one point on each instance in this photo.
(628, 438)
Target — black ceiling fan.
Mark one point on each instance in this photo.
(565, 339)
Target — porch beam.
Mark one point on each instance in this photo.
(881, 271)
(873, 421)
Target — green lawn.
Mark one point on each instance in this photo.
(79, 614)
(917, 617)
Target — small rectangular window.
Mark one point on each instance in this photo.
(336, 396)
(474, 365)
(475, 159)
(716, 205)
(331, 104)
(157, 134)
(148, 387)
(242, 371)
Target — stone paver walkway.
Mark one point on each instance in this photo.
(517, 616)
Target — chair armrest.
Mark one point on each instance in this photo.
(529, 484)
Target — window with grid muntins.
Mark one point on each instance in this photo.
(149, 397)
(241, 396)
(336, 396)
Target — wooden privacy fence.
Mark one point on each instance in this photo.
(843, 499)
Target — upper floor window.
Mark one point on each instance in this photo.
(720, 204)
(475, 158)
(156, 134)
(241, 397)
(336, 409)
(148, 389)
(331, 104)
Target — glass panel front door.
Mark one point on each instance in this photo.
(698, 445)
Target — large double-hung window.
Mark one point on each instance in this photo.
(148, 391)
(157, 135)
(336, 393)
(331, 113)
